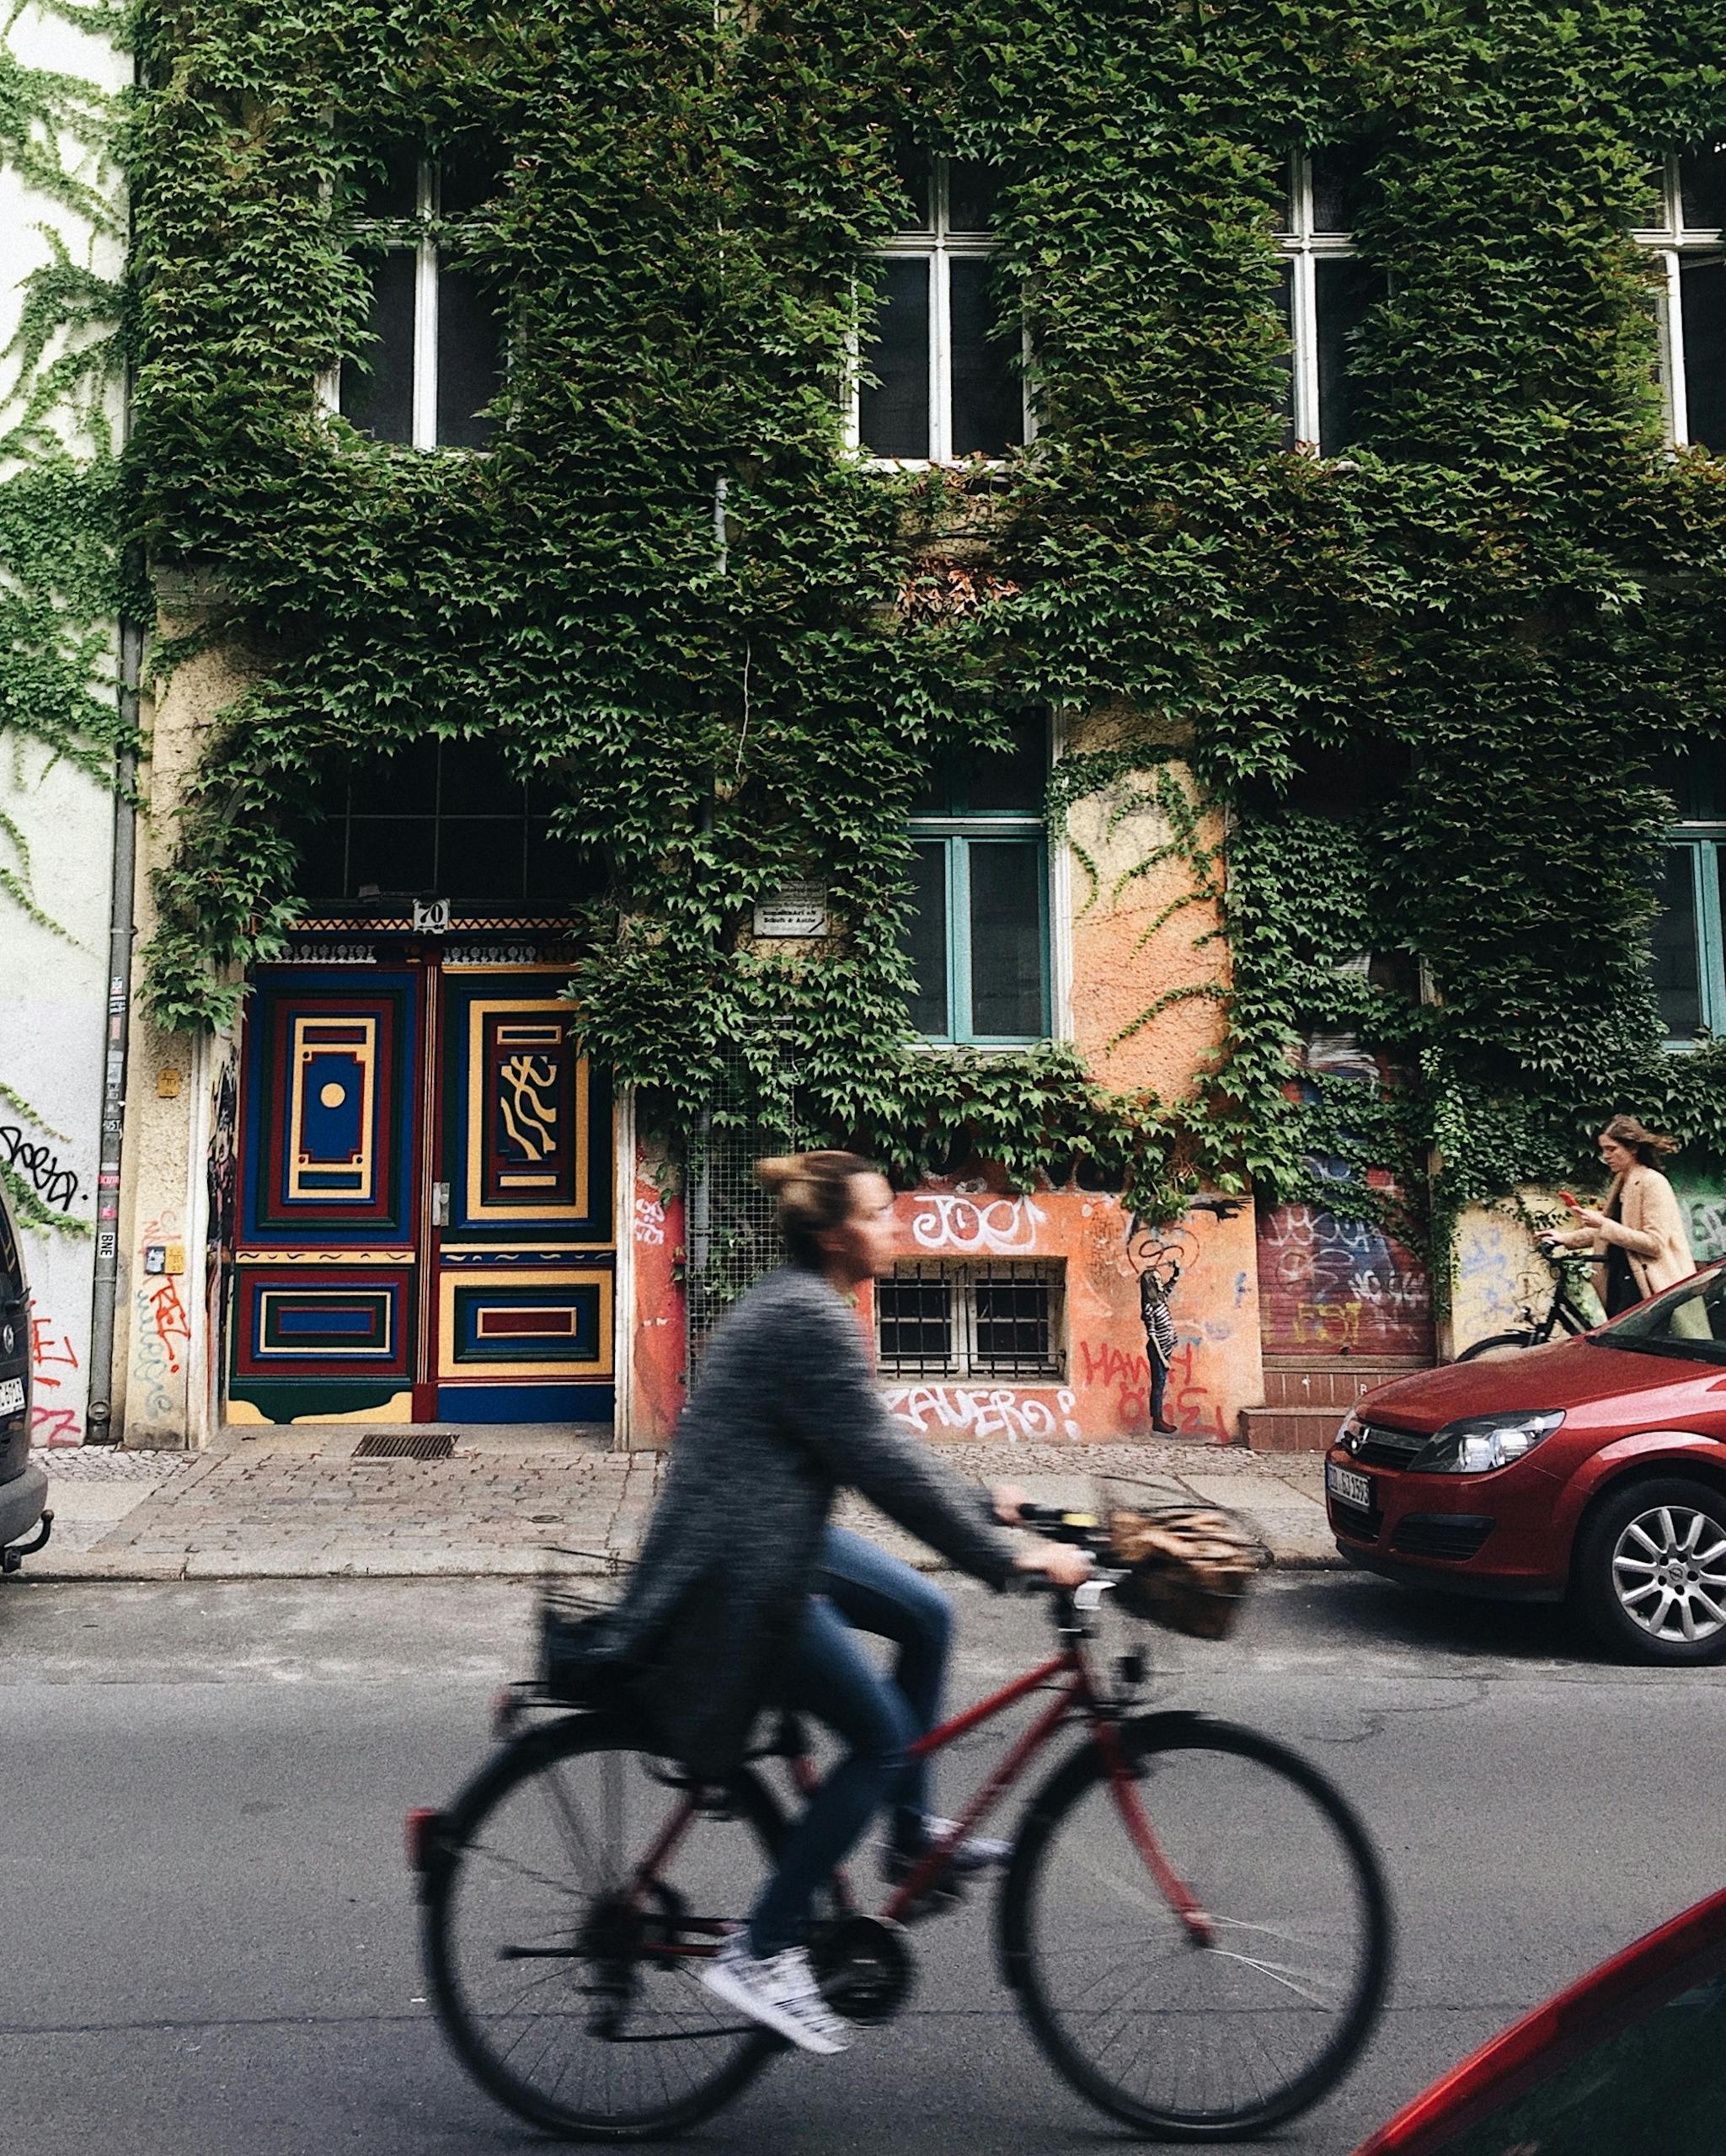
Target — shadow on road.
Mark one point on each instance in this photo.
(1356, 1606)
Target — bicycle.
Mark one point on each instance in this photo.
(1179, 1880)
(1562, 1313)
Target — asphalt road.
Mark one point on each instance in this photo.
(209, 1942)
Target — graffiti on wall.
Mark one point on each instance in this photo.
(973, 1224)
(162, 1332)
(54, 1420)
(41, 1166)
(1331, 1286)
(1008, 1411)
(1190, 1408)
(1705, 1216)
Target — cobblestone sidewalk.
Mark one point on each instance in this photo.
(297, 1505)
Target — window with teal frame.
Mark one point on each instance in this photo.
(1689, 936)
(979, 938)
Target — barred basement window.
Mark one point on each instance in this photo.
(1327, 292)
(1686, 236)
(433, 359)
(997, 1319)
(935, 379)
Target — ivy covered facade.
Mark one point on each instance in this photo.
(1118, 605)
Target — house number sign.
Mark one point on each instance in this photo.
(797, 909)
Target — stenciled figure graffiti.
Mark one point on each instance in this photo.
(1158, 1270)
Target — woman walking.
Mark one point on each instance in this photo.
(1638, 1230)
(744, 1594)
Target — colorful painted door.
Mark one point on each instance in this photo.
(523, 1249)
(424, 1229)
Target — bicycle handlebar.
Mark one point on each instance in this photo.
(1061, 1523)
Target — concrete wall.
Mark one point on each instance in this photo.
(177, 1168)
(53, 979)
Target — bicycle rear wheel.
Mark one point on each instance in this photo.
(571, 1993)
(1497, 1346)
(1197, 2042)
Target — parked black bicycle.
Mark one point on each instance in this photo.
(1563, 1314)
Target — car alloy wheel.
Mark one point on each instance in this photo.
(1669, 1573)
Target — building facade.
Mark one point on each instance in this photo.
(1054, 614)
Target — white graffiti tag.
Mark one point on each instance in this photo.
(1004, 1227)
(1000, 1411)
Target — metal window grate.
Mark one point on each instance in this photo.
(384, 1445)
(914, 1312)
(733, 1223)
(999, 1320)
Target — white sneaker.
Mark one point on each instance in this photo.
(779, 1990)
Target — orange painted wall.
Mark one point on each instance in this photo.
(658, 1345)
(1126, 954)
(1106, 1394)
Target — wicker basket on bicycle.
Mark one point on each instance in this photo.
(1188, 1564)
(578, 1662)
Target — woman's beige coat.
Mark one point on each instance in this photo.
(1650, 1229)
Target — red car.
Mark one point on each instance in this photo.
(1626, 2062)
(1593, 1467)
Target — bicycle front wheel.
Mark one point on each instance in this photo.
(577, 1890)
(1189, 2041)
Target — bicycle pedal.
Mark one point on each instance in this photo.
(935, 1901)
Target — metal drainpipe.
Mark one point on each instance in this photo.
(99, 1430)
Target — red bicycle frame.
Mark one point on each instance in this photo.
(1076, 1695)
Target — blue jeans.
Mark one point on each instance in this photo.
(828, 1675)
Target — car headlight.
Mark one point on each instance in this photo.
(1348, 1436)
(1477, 1444)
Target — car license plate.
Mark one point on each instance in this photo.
(10, 1395)
(1344, 1483)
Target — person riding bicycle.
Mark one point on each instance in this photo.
(744, 1595)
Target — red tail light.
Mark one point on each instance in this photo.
(422, 1824)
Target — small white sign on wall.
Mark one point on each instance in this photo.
(797, 909)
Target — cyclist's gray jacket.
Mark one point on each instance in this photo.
(785, 1413)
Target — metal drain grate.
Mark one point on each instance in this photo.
(381, 1445)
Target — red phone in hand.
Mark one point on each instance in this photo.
(1565, 1198)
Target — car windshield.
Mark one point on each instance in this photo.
(1660, 2067)
(1688, 1321)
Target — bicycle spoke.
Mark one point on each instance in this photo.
(1329, 1999)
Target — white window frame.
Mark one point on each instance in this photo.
(941, 247)
(1302, 249)
(400, 235)
(1670, 242)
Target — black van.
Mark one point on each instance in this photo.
(24, 1484)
